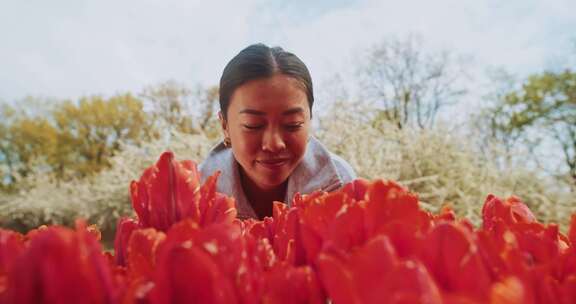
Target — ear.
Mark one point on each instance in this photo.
(223, 124)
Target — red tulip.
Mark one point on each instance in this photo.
(286, 237)
(451, 254)
(393, 211)
(191, 265)
(170, 191)
(286, 284)
(61, 266)
(510, 291)
(11, 246)
(124, 230)
(357, 189)
(510, 211)
(572, 231)
(368, 242)
(335, 220)
(356, 278)
(410, 282)
(446, 214)
(142, 250)
(189, 274)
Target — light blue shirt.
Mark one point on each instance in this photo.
(320, 169)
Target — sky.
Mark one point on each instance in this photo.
(66, 49)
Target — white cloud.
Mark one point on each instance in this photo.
(109, 46)
(72, 48)
(518, 34)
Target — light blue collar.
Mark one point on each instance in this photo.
(317, 171)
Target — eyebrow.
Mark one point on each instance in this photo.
(260, 113)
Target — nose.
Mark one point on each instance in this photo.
(273, 141)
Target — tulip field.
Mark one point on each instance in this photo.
(368, 242)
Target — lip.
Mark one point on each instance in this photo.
(273, 163)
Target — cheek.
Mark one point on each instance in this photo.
(297, 143)
(245, 145)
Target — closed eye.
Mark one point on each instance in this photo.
(253, 127)
(294, 127)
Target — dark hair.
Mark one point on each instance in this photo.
(260, 61)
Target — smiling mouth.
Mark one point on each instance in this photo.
(273, 163)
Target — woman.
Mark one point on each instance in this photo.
(268, 154)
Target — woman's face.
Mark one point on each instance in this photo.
(268, 123)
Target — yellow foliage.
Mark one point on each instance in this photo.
(73, 139)
(90, 132)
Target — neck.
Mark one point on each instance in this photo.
(261, 198)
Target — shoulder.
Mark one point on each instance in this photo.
(343, 168)
(219, 159)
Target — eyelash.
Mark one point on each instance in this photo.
(252, 128)
(292, 127)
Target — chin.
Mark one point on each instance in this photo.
(273, 182)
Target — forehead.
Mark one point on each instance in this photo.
(273, 94)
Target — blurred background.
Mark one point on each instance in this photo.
(453, 99)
